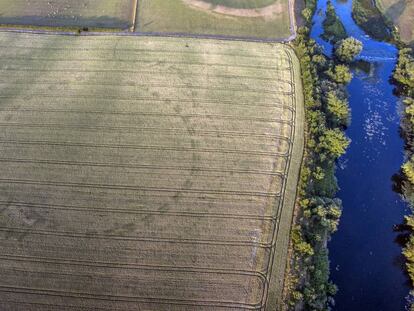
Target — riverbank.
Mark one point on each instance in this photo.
(318, 211)
(365, 261)
(372, 21)
(365, 14)
(364, 253)
(386, 20)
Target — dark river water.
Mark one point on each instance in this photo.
(366, 261)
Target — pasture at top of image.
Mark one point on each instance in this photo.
(118, 14)
(250, 19)
(257, 19)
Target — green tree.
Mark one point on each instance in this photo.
(347, 49)
(333, 143)
(307, 14)
(299, 244)
(337, 110)
(404, 72)
(333, 29)
(408, 169)
(409, 248)
(340, 74)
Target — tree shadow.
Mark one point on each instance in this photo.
(403, 236)
(33, 21)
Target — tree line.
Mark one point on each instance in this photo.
(404, 79)
(327, 116)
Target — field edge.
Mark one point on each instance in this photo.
(283, 232)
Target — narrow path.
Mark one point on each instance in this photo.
(134, 16)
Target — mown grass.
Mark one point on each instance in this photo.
(175, 16)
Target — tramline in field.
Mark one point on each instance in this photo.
(151, 172)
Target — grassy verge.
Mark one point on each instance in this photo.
(282, 238)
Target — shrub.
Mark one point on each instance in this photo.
(347, 49)
(337, 110)
(340, 74)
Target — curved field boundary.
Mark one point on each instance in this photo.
(264, 279)
(282, 233)
(267, 11)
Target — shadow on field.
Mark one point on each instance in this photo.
(15, 96)
(66, 21)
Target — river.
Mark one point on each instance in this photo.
(366, 261)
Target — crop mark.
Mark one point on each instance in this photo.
(150, 100)
(138, 212)
(137, 188)
(137, 147)
(142, 61)
(52, 86)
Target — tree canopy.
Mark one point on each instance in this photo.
(347, 49)
(333, 29)
(340, 74)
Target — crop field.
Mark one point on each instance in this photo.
(401, 12)
(146, 173)
(71, 13)
(262, 19)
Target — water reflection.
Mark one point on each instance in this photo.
(366, 261)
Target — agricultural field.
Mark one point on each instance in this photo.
(69, 13)
(145, 172)
(401, 12)
(260, 19)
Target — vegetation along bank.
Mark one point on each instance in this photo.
(385, 25)
(404, 80)
(327, 116)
